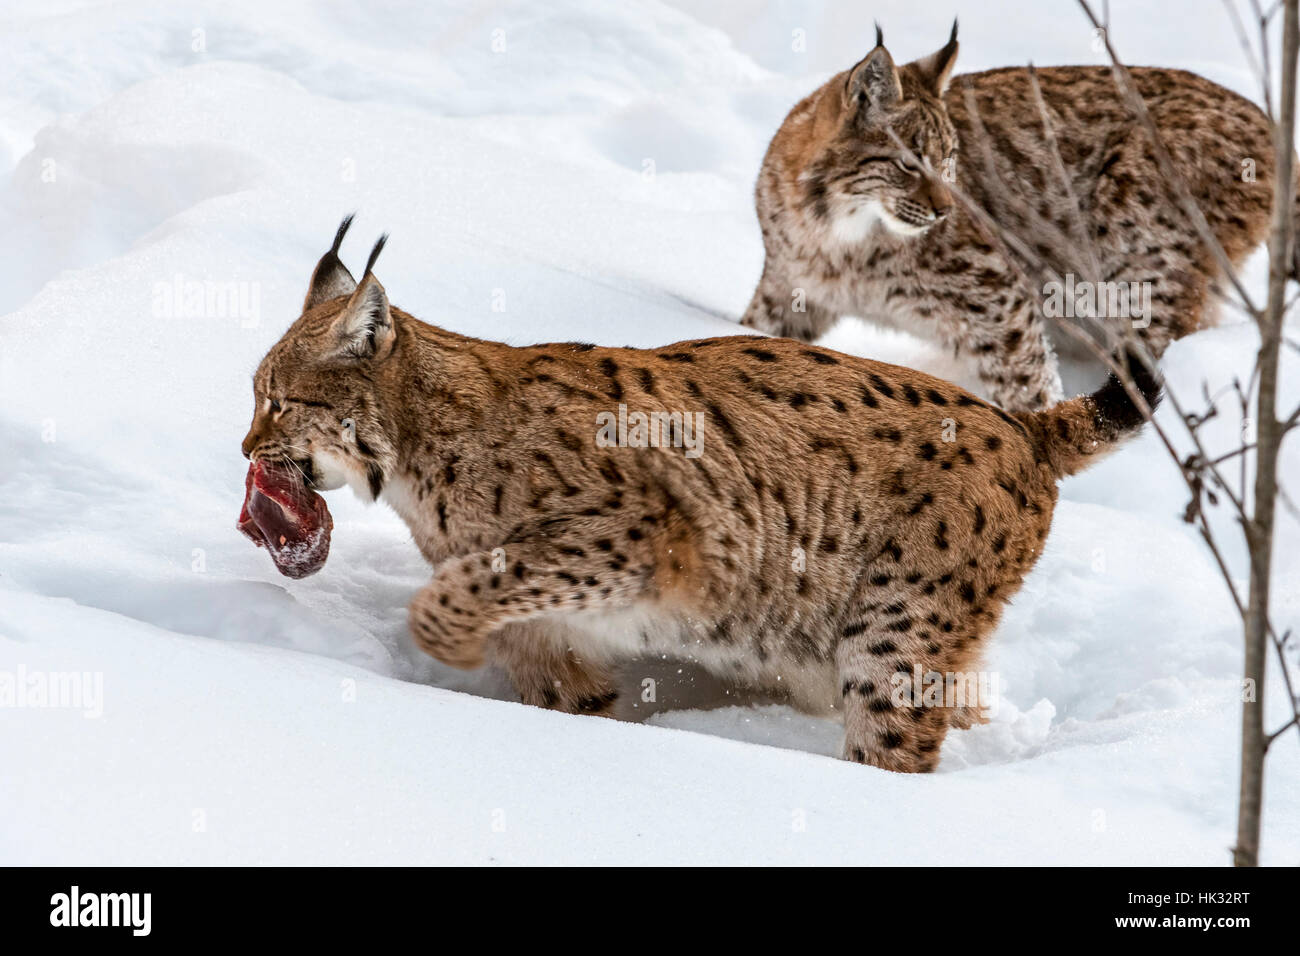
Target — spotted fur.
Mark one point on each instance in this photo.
(852, 227)
(845, 521)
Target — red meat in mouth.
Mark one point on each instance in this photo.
(286, 517)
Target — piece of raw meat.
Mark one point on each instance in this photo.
(286, 517)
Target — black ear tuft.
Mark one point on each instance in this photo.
(343, 231)
(374, 253)
(331, 278)
(936, 69)
(880, 35)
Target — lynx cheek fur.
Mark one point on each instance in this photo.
(826, 540)
(852, 226)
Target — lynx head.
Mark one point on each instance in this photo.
(861, 176)
(317, 393)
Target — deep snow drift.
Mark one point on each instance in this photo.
(563, 170)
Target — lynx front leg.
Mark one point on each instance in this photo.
(547, 669)
(472, 596)
(1015, 360)
(783, 308)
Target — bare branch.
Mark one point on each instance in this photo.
(1124, 80)
(1082, 234)
(1249, 51)
(1293, 722)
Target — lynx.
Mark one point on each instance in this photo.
(843, 523)
(855, 225)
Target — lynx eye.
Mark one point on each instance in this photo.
(276, 407)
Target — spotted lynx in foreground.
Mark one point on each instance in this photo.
(852, 226)
(826, 537)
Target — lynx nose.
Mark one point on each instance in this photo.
(251, 441)
(940, 200)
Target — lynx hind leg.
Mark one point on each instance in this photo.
(885, 651)
(546, 670)
(782, 308)
(1156, 247)
(881, 727)
(1163, 298)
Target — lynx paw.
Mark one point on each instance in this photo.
(453, 635)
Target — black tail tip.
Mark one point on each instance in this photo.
(1116, 410)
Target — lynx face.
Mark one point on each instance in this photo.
(293, 419)
(317, 399)
(860, 175)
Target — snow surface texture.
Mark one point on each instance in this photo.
(568, 169)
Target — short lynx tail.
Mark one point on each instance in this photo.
(1073, 434)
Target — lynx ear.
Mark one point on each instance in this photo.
(874, 81)
(331, 278)
(936, 69)
(364, 329)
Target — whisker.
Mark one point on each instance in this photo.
(285, 453)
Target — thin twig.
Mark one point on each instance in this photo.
(1136, 103)
(1249, 51)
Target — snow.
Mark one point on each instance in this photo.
(589, 180)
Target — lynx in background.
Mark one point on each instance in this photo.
(853, 226)
(829, 524)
